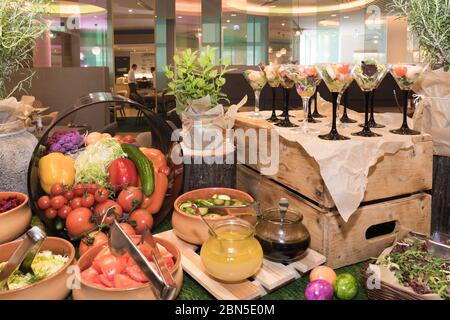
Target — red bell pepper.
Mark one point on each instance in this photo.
(123, 173)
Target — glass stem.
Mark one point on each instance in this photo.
(274, 95)
(372, 98)
(335, 104)
(257, 94)
(366, 110)
(405, 109)
(286, 106)
(305, 113)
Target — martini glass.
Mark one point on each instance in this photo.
(287, 77)
(336, 77)
(316, 113)
(406, 75)
(273, 80)
(368, 74)
(257, 80)
(306, 83)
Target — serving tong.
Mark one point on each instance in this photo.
(25, 253)
(163, 284)
(438, 244)
(254, 204)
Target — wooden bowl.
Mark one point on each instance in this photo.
(52, 288)
(92, 292)
(14, 222)
(191, 228)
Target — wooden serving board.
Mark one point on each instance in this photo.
(271, 276)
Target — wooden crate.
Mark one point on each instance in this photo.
(405, 172)
(270, 277)
(343, 243)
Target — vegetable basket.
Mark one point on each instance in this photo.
(96, 112)
(386, 291)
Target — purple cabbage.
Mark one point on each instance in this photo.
(64, 141)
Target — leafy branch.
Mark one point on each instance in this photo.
(195, 76)
(21, 23)
(429, 20)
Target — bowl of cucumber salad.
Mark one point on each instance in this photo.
(215, 204)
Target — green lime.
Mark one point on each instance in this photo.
(345, 286)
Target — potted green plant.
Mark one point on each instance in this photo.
(196, 80)
(21, 23)
(429, 21)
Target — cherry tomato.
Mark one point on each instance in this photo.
(95, 238)
(130, 198)
(129, 230)
(145, 203)
(87, 200)
(63, 212)
(101, 195)
(111, 209)
(69, 195)
(142, 219)
(57, 189)
(75, 203)
(128, 139)
(57, 202)
(44, 202)
(79, 221)
(91, 188)
(78, 189)
(51, 213)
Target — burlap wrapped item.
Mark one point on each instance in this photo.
(203, 126)
(432, 114)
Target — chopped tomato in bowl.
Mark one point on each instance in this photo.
(106, 276)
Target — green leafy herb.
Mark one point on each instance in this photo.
(195, 76)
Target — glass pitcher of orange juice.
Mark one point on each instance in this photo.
(232, 253)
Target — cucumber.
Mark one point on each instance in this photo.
(144, 167)
(223, 197)
(203, 211)
(203, 202)
(190, 211)
(185, 205)
(227, 203)
(214, 196)
(219, 202)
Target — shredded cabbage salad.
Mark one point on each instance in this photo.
(91, 165)
(45, 264)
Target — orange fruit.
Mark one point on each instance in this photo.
(324, 273)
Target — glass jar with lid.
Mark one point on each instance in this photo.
(232, 253)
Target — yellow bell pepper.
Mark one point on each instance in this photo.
(56, 168)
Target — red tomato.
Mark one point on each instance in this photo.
(125, 282)
(105, 281)
(145, 202)
(51, 213)
(91, 188)
(169, 262)
(142, 219)
(44, 202)
(87, 200)
(127, 228)
(111, 265)
(134, 272)
(95, 238)
(75, 203)
(128, 139)
(111, 209)
(344, 68)
(78, 189)
(57, 202)
(400, 71)
(69, 195)
(130, 198)
(64, 211)
(90, 276)
(57, 189)
(101, 195)
(79, 221)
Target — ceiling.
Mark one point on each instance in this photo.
(140, 18)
